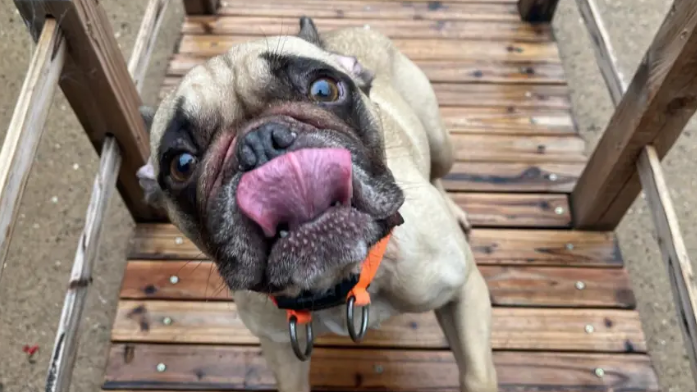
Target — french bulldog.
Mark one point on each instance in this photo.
(286, 159)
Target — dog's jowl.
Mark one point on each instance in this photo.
(308, 168)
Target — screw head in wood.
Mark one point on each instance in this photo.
(174, 279)
(528, 94)
(589, 328)
(178, 240)
(161, 367)
(569, 246)
(580, 285)
(378, 369)
(167, 321)
(553, 177)
(600, 372)
(559, 210)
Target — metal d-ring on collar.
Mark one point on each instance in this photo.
(292, 329)
(350, 307)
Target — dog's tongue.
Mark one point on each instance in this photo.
(295, 187)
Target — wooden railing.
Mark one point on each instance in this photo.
(651, 112)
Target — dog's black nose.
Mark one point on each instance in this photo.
(264, 143)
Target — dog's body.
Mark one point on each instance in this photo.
(428, 265)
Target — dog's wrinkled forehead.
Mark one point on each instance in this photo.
(226, 87)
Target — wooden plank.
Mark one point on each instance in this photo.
(518, 149)
(415, 49)
(508, 120)
(512, 328)
(350, 9)
(545, 248)
(62, 359)
(458, 71)
(673, 248)
(602, 47)
(515, 210)
(657, 106)
(537, 11)
(99, 88)
(492, 95)
(490, 247)
(495, 176)
(201, 7)
(408, 28)
(132, 366)
(509, 286)
(26, 127)
(145, 41)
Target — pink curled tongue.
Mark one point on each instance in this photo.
(295, 187)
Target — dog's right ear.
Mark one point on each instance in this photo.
(146, 174)
(148, 114)
(308, 31)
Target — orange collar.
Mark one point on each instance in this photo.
(369, 268)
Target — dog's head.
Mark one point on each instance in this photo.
(271, 159)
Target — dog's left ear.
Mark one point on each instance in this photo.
(146, 174)
(308, 31)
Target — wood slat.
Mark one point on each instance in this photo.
(391, 10)
(509, 286)
(132, 366)
(490, 247)
(545, 248)
(455, 71)
(518, 149)
(512, 328)
(496, 176)
(415, 49)
(515, 210)
(508, 120)
(408, 28)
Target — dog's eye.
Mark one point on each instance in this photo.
(182, 167)
(324, 90)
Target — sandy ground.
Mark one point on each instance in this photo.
(52, 211)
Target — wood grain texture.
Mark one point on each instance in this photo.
(391, 10)
(490, 247)
(99, 88)
(515, 210)
(673, 249)
(407, 28)
(415, 49)
(458, 71)
(509, 285)
(518, 149)
(145, 41)
(512, 328)
(493, 95)
(132, 366)
(546, 248)
(656, 107)
(537, 11)
(496, 176)
(508, 120)
(26, 127)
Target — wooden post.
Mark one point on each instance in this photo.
(65, 347)
(537, 11)
(201, 7)
(100, 91)
(660, 100)
(26, 127)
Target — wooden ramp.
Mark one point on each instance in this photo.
(564, 315)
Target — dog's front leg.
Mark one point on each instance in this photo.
(292, 374)
(466, 322)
